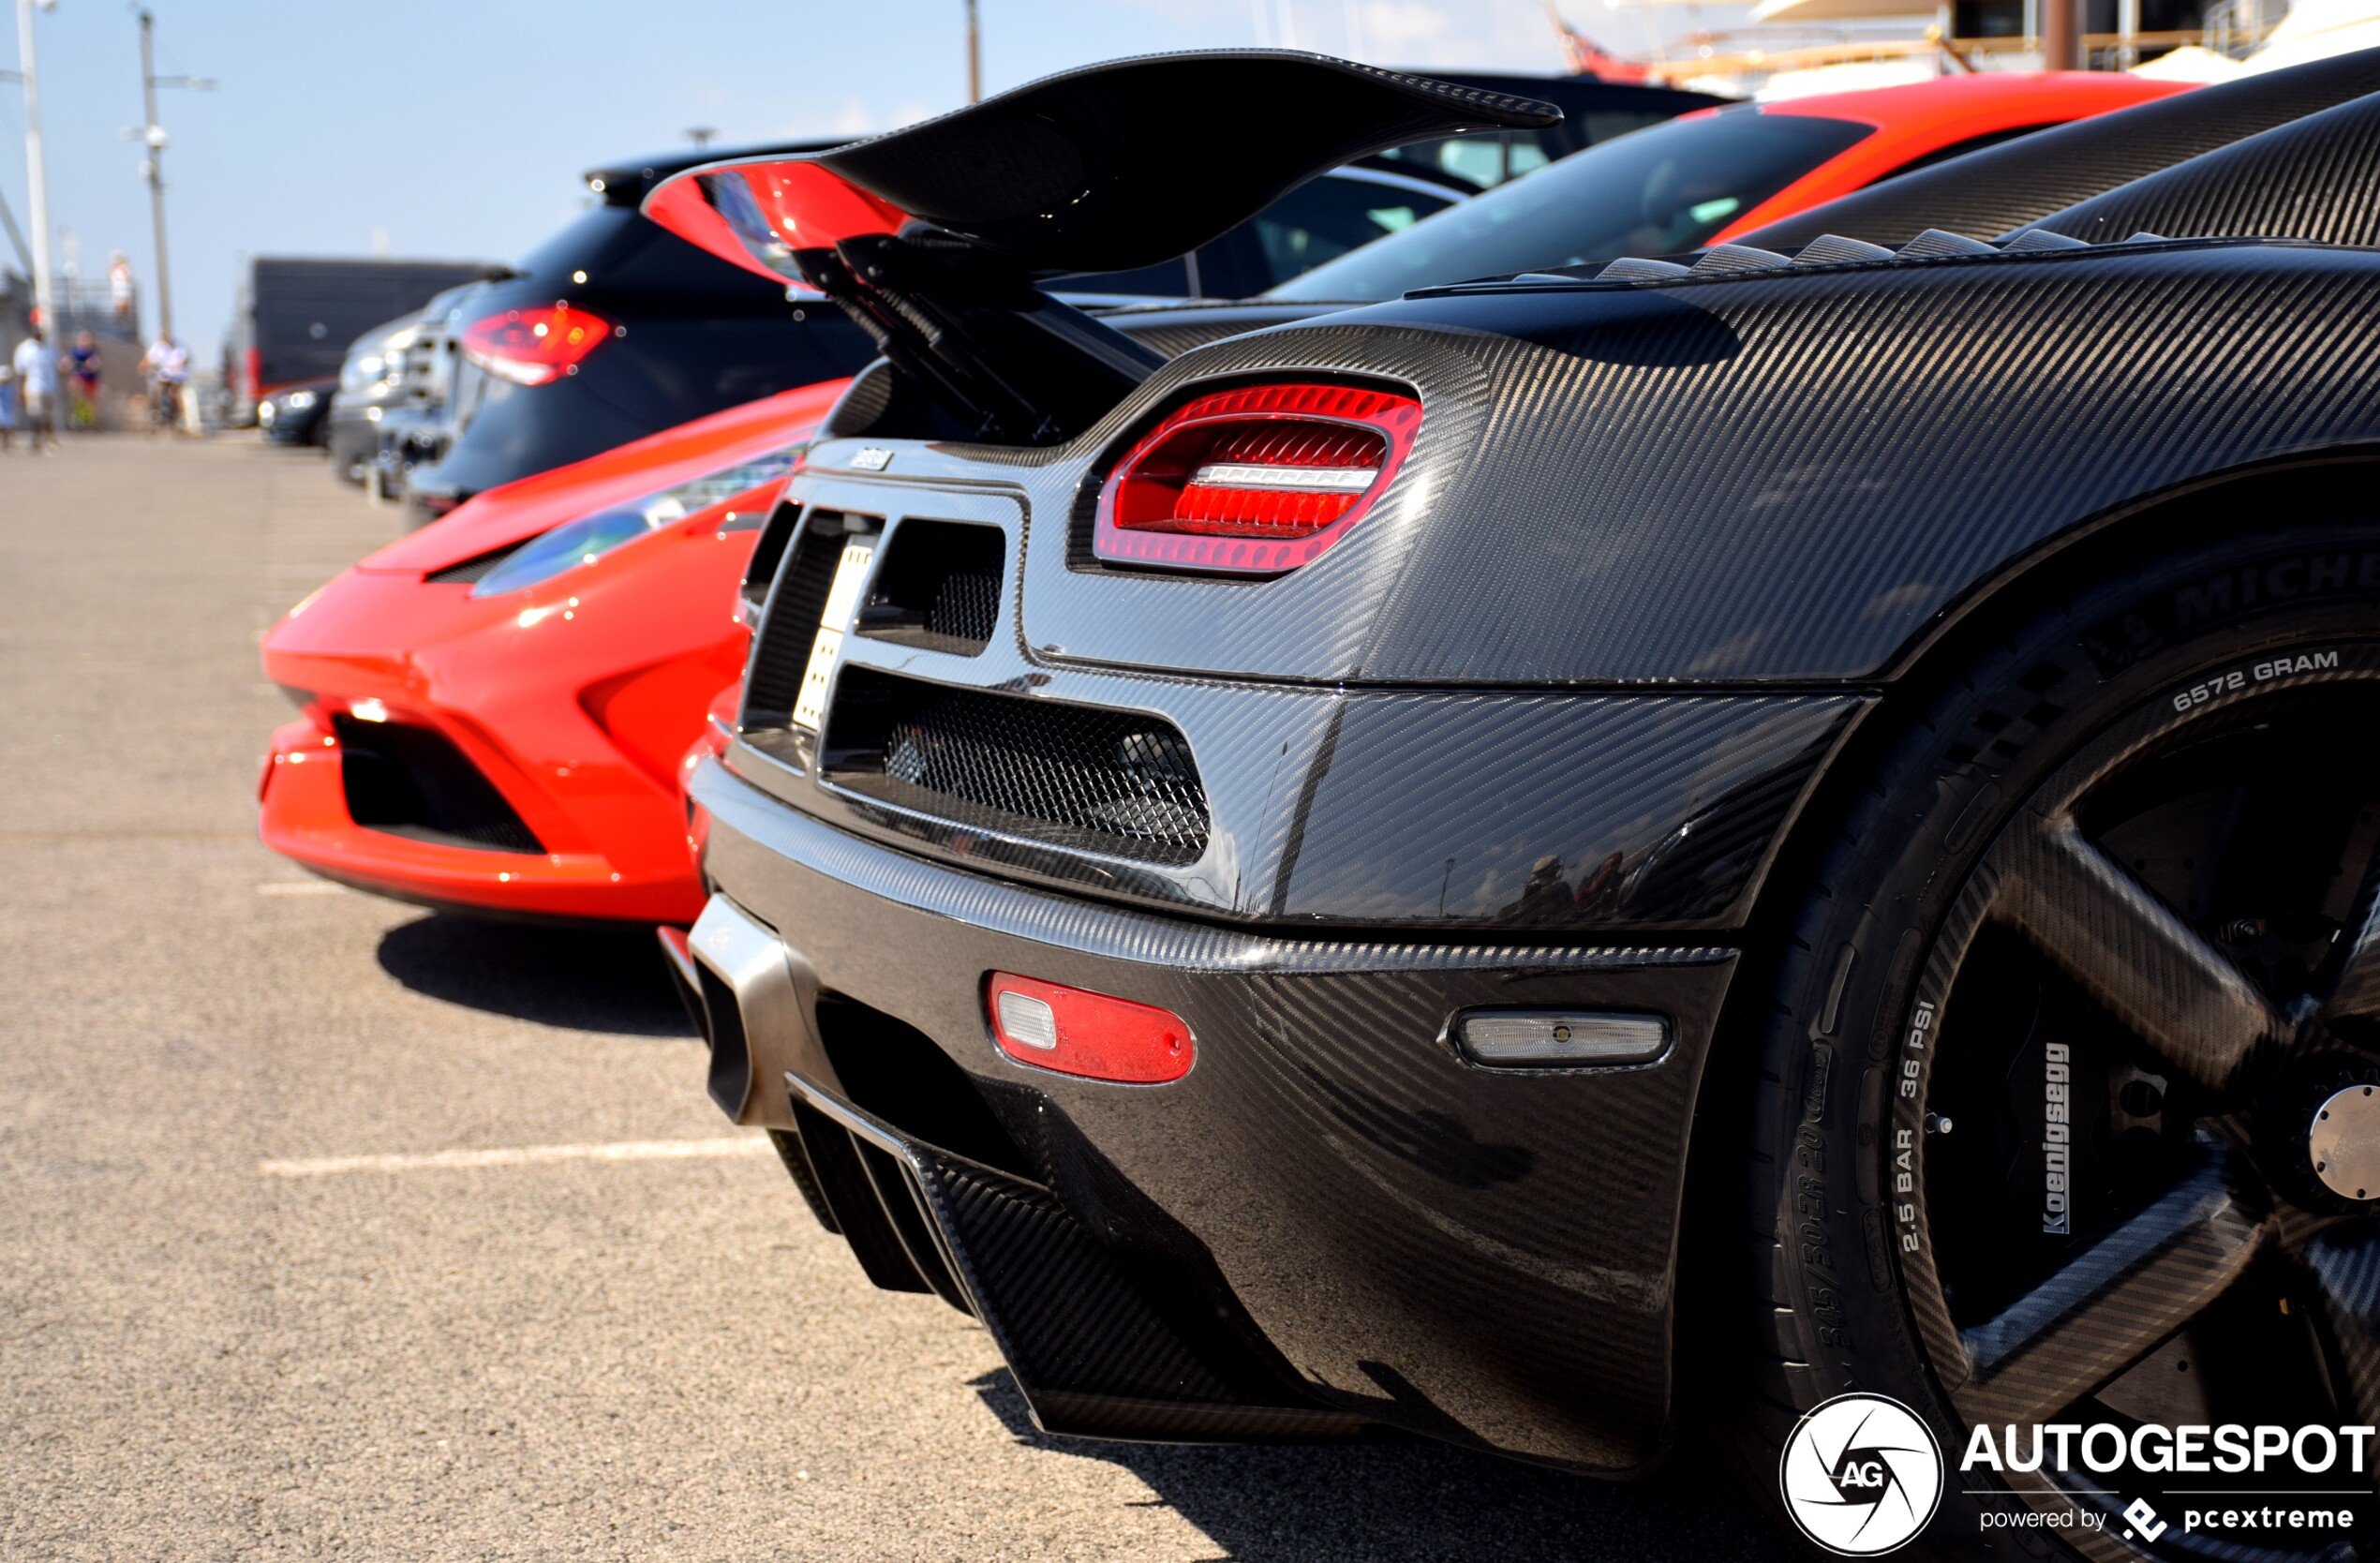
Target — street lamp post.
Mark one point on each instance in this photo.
(152, 136)
(37, 178)
(974, 57)
(153, 167)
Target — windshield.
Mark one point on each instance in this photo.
(1656, 192)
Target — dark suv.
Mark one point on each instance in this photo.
(612, 330)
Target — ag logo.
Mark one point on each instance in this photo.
(1861, 1475)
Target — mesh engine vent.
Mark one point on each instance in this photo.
(938, 588)
(1117, 782)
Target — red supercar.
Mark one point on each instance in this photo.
(494, 708)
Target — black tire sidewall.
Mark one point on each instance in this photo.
(1834, 1307)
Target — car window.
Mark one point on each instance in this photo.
(1486, 159)
(1320, 220)
(1657, 192)
(1167, 279)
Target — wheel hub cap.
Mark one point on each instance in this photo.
(2344, 1142)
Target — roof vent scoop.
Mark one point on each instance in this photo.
(1630, 268)
(1934, 243)
(2034, 239)
(1833, 249)
(931, 237)
(1721, 259)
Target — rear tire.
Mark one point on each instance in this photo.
(1858, 1285)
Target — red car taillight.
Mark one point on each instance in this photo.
(535, 347)
(1076, 1031)
(1256, 481)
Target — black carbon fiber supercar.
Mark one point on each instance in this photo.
(1366, 876)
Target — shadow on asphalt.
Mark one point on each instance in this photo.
(588, 981)
(1384, 1502)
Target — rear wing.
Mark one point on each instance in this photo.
(931, 237)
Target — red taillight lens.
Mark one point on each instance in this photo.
(1256, 481)
(1079, 1033)
(535, 347)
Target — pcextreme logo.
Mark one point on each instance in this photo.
(1861, 1475)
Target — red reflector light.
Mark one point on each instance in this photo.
(1256, 481)
(535, 347)
(1091, 1035)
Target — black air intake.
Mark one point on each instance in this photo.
(411, 781)
(772, 678)
(1080, 777)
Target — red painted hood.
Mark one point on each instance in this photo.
(521, 509)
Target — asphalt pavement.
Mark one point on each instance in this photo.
(253, 1307)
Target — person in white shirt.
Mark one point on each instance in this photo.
(168, 363)
(37, 368)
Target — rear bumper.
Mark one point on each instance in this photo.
(1393, 1236)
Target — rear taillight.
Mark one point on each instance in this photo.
(1256, 481)
(535, 347)
(1076, 1031)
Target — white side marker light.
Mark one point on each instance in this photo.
(1029, 1022)
(1560, 1039)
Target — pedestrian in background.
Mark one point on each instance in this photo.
(168, 363)
(120, 285)
(36, 366)
(8, 406)
(82, 380)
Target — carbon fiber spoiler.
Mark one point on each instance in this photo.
(2004, 187)
(931, 237)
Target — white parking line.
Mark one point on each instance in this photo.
(521, 1155)
(299, 888)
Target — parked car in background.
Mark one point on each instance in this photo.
(493, 707)
(295, 316)
(1255, 873)
(369, 383)
(1703, 178)
(414, 430)
(640, 330)
(610, 331)
(298, 415)
(1378, 196)
(1593, 112)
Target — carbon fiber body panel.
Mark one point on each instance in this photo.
(1175, 329)
(1337, 806)
(2001, 188)
(1097, 1344)
(1497, 1251)
(1754, 477)
(2315, 178)
(1656, 548)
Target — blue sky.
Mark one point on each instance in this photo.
(457, 129)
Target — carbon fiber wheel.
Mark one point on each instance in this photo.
(2071, 1105)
